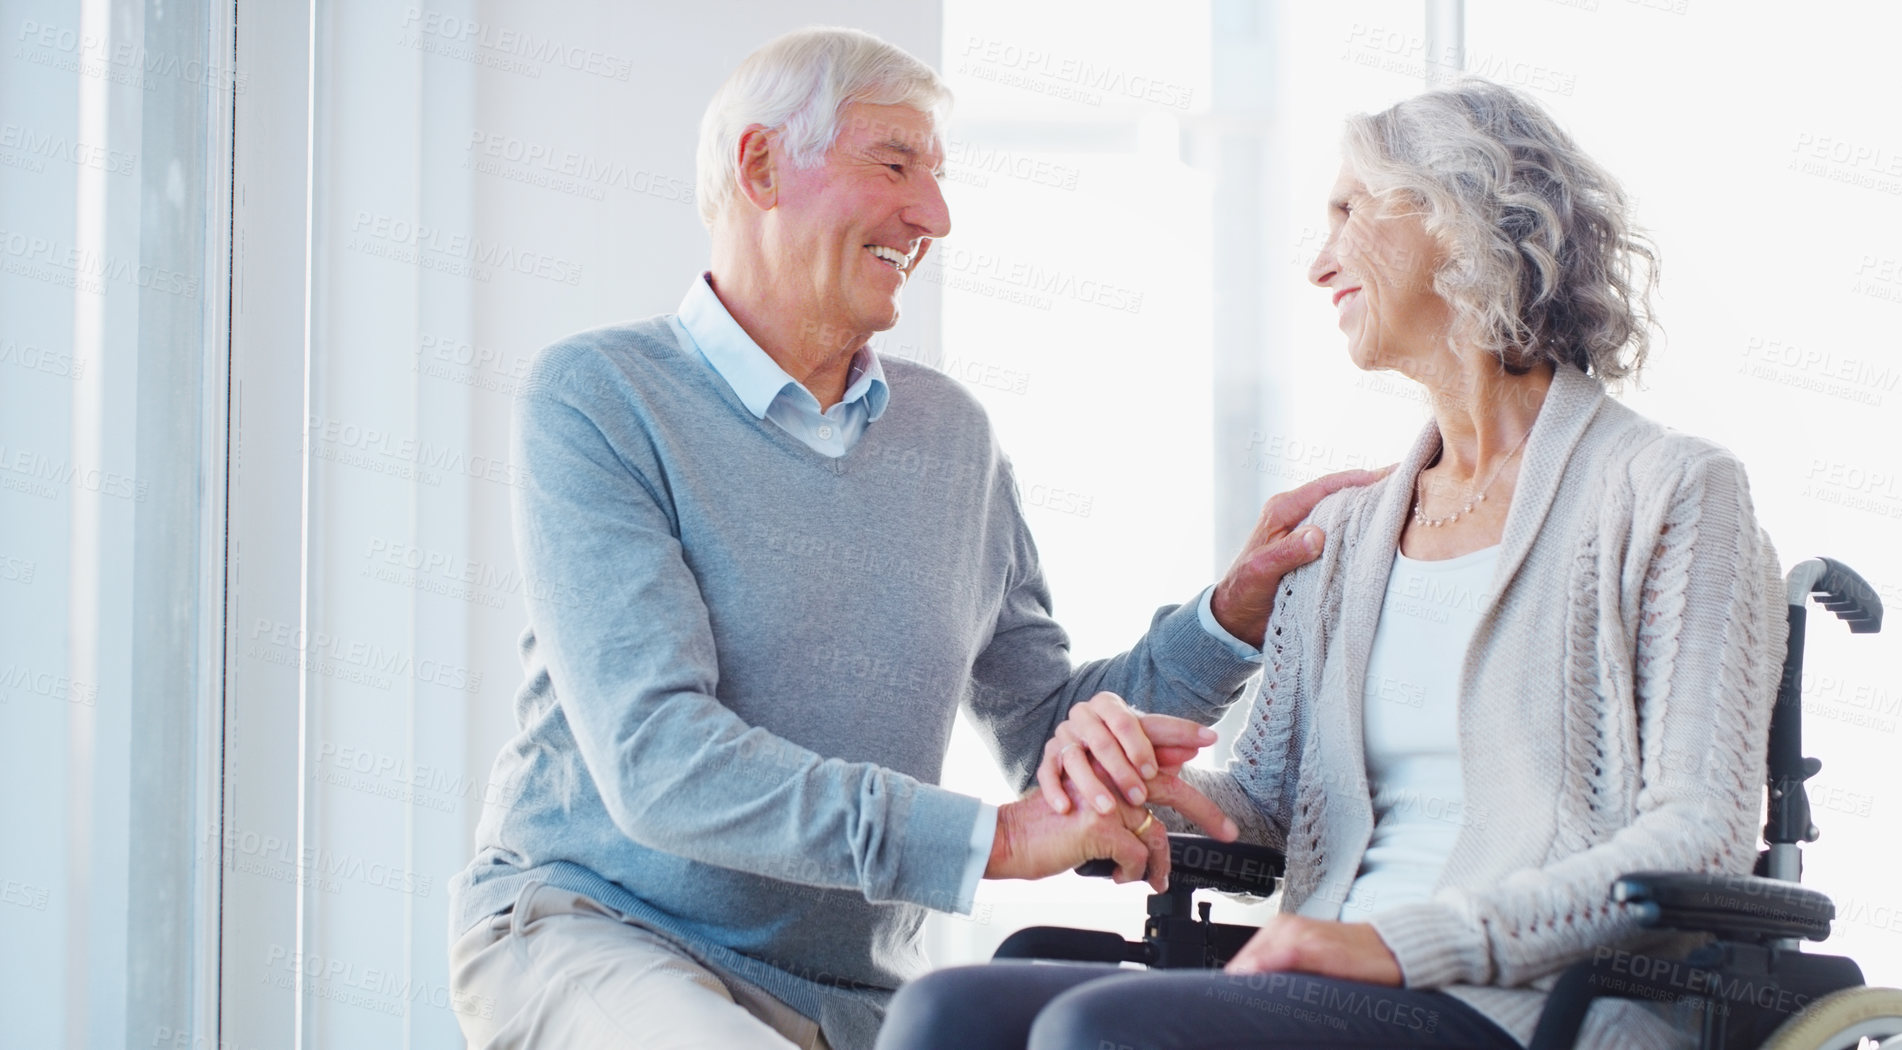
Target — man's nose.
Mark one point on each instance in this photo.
(928, 211)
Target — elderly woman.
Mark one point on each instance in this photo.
(1540, 654)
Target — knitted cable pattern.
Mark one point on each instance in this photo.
(1582, 820)
(1599, 699)
(1257, 788)
(1735, 767)
(1603, 751)
(1267, 763)
(1307, 857)
(1260, 788)
(1700, 804)
(1660, 624)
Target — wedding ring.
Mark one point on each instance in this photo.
(1148, 819)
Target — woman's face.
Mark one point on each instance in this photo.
(1379, 262)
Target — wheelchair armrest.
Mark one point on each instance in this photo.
(1202, 863)
(1069, 945)
(1741, 907)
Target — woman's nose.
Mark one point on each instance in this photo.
(1323, 268)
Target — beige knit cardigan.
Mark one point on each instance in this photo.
(1614, 705)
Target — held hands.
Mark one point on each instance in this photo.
(1351, 951)
(1131, 744)
(1107, 751)
(1246, 595)
(1033, 841)
(1072, 820)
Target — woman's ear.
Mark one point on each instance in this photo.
(759, 166)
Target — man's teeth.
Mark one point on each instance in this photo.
(890, 255)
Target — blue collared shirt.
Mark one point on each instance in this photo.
(769, 392)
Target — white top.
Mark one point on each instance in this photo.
(1411, 720)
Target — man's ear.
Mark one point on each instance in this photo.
(759, 166)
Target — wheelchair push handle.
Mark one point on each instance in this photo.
(1844, 592)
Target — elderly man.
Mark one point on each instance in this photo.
(767, 570)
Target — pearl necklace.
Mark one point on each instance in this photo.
(1472, 497)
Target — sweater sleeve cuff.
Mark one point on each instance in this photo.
(937, 849)
(1197, 662)
(983, 833)
(1205, 612)
(1434, 945)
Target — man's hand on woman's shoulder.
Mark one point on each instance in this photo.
(1246, 594)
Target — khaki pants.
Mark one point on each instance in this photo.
(561, 970)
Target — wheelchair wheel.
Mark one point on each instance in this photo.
(1843, 1020)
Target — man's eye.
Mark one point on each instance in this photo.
(899, 168)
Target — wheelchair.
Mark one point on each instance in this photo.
(1753, 986)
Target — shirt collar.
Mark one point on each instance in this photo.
(867, 380)
(752, 373)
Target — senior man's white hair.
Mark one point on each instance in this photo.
(801, 82)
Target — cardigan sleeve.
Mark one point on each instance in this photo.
(1703, 603)
(1257, 788)
(1266, 764)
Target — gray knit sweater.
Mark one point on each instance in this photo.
(1614, 706)
(744, 658)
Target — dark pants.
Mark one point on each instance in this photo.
(1010, 1006)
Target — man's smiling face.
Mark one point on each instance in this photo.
(855, 226)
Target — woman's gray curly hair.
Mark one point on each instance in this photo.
(1542, 260)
